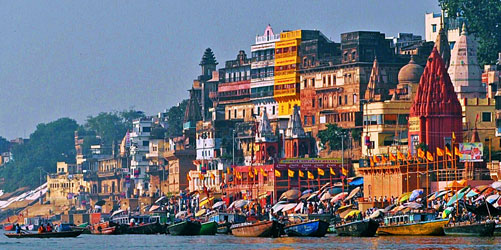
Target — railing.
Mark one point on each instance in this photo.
(262, 94)
(261, 39)
(285, 92)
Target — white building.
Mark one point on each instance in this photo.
(140, 143)
(452, 26)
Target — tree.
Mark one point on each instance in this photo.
(130, 115)
(483, 21)
(331, 136)
(175, 118)
(50, 143)
(4, 145)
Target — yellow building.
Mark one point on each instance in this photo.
(480, 113)
(286, 81)
(64, 186)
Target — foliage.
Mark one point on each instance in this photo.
(331, 136)
(175, 118)
(483, 20)
(50, 143)
(4, 145)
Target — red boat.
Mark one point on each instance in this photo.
(9, 227)
(104, 228)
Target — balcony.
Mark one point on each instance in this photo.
(152, 155)
(285, 92)
(262, 94)
(263, 39)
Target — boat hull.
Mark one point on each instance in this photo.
(434, 227)
(45, 235)
(363, 228)
(475, 229)
(208, 228)
(150, 228)
(223, 228)
(185, 228)
(259, 229)
(316, 228)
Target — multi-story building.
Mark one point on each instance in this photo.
(262, 74)
(65, 186)
(140, 146)
(451, 26)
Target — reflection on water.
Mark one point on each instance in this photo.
(228, 242)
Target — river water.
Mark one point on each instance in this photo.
(229, 242)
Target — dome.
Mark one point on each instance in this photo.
(410, 73)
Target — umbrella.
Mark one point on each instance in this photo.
(473, 192)
(160, 199)
(277, 205)
(116, 212)
(241, 203)
(218, 204)
(205, 201)
(496, 185)
(304, 196)
(352, 193)
(442, 193)
(299, 206)
(415, 194)
(181, 214)
(376, 214)
(454, 198)
(389, 208)
(307, 191)
(339, 197)
(153, 208)
(100, 203)
(352, 213)
(497, 204)
(292, 194)
(492, 198)
(343, 208)
(357, 181)
(326, 196)
(336, 190)
(325, 185)
(313, 196)
(479, 198)
(288, 207)
(482, 188)
(447, 211)
(413, 205)
(200, 212)
(405, 197)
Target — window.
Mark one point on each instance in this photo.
(319, 102)
(273, 110)
(146, 129)
(313, 82)
(258, 110)
(355, 98)
(313, 102)
(146, 143)
(235, 114)
(345, 99)
(305, 83)
(313, 120)
(305, 119)
(243, 113)
(434, 28)
(486, 117)
(229, 114)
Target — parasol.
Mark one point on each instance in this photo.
(496, 185)
(472, 193)
(277, 205)
(412, 205)
(454, 198)
(352, 193)
(181, 214)
(339, 197)
(218, 204)
(288, 207)
(100, 203)
(160, 199)
(492, 198)
(292, 194)
(415, 194)
(352, 213)
(200, 212)
(405, 197)
(357, 181)
(326, 196)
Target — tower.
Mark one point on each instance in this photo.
(297, 143)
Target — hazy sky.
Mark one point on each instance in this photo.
(77, 58)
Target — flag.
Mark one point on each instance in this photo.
(448, 152)
(277, 173)
(376, 159)
(310, 175)
(420, 153)
(344, 171)
(290, 173)
(212, 176)
(429, 156)
(383, 159)
(440, 152)
(400, 156)
(409, 156)
(392, 157)
(188, 177)
(239, 176)
(228, 170)
(453, 136)
(321, 172)
(332, 171)
(371, 162)
(457, 152)
(251, 175)
(201, 176)
(255, 171)
(301, 173)
(263, 172)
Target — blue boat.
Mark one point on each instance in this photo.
(314, 228)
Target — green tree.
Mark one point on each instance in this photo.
(4, 145)
(483, 20)
(175, 118)
(331, 137)
(130, 115)
(50, 143)
(109, 127)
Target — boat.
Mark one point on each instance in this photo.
(224, 228)
(497, 230)
(470, 229)
(85, 228)
(108, 228)
(314, 228)
(361, 228)
(226, 220)
(8, 227)
(412, 224)
(185, 228)
(208, 228)
(149, 228)
(257, 229)
(45, 235)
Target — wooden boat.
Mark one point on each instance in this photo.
(258, 229)
(412, 224)
(208, 228)
(224, 228)
(85, 228)
(185, 228)
(314, 228)
(45, 235)
(361, 228)
(108, 228)
(470, 229)
(226, 220)
(149, 228)
(497, 230)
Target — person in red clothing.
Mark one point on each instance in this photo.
(49, 228)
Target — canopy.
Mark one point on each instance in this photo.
(415, 194)
(153, 208)
(292, 194)
(289, 207)
(492, 198)
(200, 212)
(181, 214)
(160, 199)
(352, 213)
(404, 197)
(218, 204)
(454, 198)
(352, 193)
(339, 197)
(496, 185)
(357, 181)
(277, 205)
(472, 193)
(413, 205)
(116, 212)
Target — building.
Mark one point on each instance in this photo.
(263, 74)
(140, 146)
(404, 40)
(479, 117)
(65, 186)
(452, 27)
(464, 70)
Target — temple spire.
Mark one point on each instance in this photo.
(295, 127)
(443, 47)
(375, 88)
(265, 132)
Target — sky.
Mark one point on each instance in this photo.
(78, 58)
